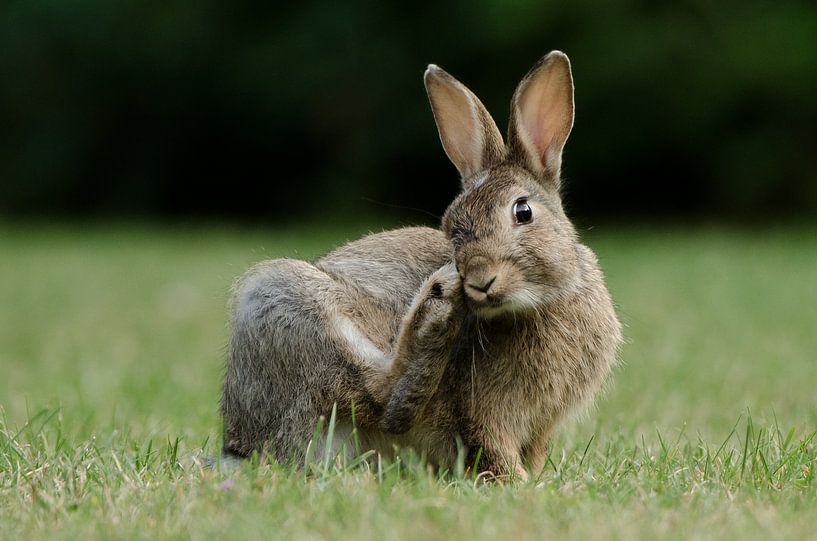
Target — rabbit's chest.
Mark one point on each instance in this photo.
(495, 395)
(516, 397)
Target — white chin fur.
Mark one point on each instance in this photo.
(520, 302)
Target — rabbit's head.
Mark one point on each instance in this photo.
(513, 245)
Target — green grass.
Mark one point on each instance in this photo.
(111, 351)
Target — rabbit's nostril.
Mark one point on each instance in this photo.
(484, 286)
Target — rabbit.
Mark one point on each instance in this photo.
(484, 334)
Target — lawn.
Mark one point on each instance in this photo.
(111, 351)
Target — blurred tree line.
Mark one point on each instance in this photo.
(316, 108)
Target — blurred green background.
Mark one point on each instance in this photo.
(259, 110)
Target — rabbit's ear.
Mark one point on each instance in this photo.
(468, 133)
(542, 117)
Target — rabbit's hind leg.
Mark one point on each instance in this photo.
(294, 352)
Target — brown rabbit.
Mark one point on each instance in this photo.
(489, 331)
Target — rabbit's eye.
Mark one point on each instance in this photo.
(522, 212)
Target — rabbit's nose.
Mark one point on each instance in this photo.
(483, 284)
(479, 277)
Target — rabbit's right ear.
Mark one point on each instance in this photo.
(468, 133)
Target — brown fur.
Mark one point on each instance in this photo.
(487, 332)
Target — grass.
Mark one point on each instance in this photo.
(111, 351)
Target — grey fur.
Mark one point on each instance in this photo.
(402, 324)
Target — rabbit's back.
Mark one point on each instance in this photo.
(391, 264)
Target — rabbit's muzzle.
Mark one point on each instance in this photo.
(485, 282)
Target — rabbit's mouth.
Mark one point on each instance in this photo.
(488, 312)
(485, 293)
(490, 305)
(488, 302)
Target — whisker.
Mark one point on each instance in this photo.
(473, 378)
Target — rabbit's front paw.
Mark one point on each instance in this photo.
(443, 306)
(446, 284)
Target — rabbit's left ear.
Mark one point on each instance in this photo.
(468, 133)
(542, 117)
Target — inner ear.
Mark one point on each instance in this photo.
(542, 113)
(468, 133)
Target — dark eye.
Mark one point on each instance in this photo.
(522, 212)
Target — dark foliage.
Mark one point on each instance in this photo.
(267, 110)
